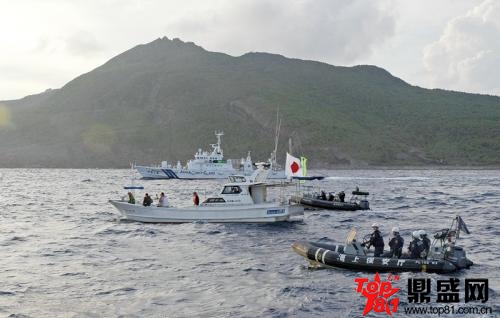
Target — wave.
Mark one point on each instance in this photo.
(76, 247)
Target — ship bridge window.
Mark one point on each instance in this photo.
(231, 190)
(236, 179)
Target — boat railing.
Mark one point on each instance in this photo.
(444, 240)
(307, 190)
(352, 245)
(259, 175)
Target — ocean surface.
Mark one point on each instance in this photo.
(64, 252)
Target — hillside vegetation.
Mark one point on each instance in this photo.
(164, 100)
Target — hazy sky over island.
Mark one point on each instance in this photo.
(451, 44)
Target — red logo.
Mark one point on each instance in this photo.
(295, 167)
(378, 293)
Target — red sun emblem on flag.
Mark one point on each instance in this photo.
(294, 167)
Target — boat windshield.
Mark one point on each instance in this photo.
(231, 190)
(237, 179)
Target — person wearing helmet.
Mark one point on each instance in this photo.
(376, 240)
(416, 245)
(396, 243)
(426, 242)
(341, 196)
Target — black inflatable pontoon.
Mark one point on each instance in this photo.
(444, 256)
(358, 201)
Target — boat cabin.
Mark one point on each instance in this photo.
(240, 190)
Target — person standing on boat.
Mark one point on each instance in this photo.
(416, 245)
(323, 195)
(396, 243)
(341, 196)
(376, 240)
(196, 199)
(147, 200)
(330, 196)
(131, 198)
(426, 242)
(162, 201)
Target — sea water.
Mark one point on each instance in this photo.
(64, 252)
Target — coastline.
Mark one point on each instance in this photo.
(340, 167)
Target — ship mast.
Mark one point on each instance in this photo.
(276, 138)
(217, 147)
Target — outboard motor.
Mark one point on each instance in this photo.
(360, 198)
(364, 204)
(456, 256)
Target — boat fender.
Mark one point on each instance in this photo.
(320, 255)
(316, 254)
(323, 256)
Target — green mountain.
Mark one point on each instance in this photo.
(164, 100)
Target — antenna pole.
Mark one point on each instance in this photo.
(276, 137)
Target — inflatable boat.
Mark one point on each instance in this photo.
(358, 200)
(444, 255)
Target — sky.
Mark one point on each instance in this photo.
(449, 44)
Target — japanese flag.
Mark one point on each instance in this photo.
(293, 167)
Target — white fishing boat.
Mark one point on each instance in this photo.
(242, 200)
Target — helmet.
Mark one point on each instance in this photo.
(422, 233)
(375, 224)
(395, 229)
(415, 234)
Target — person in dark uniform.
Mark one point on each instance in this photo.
(416, 245)
(341, 196)
(323, 195)
(147, 200)
(376, 240)
(396, 243)
(426, 242)
(330, 196)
